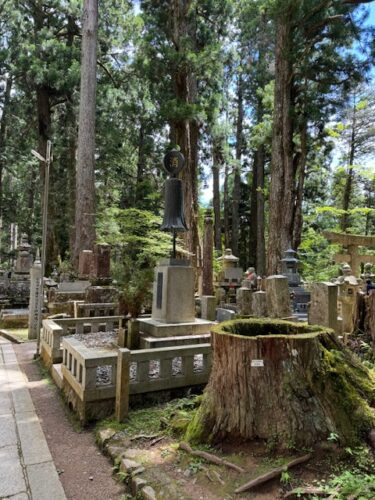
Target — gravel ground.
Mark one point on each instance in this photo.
(84, 472)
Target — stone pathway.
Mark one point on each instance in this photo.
(27, 471)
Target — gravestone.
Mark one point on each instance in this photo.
(102, 260)
(208, 307)
(259, 302)
(245, 301)
(278, 297)
(208, 243)
(323, 305)
(24, 257)
(86, 264)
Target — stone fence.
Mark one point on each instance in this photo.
(96, 381)
(54, 330)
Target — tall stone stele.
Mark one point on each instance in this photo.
(35, 290)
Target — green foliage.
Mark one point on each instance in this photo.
(138, 244)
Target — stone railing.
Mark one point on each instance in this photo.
(97, 375)
(54, 330)
(86, 310)
(81, 368)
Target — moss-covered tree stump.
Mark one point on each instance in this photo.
(288, 383)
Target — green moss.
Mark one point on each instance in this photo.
(348, 389)
(255, 327)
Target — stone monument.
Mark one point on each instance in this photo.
(173, 307)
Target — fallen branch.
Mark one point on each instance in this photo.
(298, 492)
(156, 440)
(274, 473)
(144, 436)
(209, 457)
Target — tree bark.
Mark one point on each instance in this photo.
(208, 243)
(286, 383)
(237, 170)
(350, 175)
(185, 131)
(85, 180)
(282, 178)
(217, 163)
(260, 216)
(3, 135)
(301, 173)
(226, 207)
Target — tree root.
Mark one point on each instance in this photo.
(209, 457)
(274, 473)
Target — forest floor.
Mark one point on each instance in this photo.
(152, 436)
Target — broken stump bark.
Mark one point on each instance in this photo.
(288, 383)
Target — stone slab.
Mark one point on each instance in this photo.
(5, 404)
(224, 314)
(33, 443)
(44, 482)
(158, 329)
(73, 286)
(156, 343)
(22, 400)
(12, 481)
(8, 434)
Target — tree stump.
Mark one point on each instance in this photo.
(288, 383)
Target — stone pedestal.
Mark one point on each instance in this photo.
(173, 307)
(208, 307)
(259, 304)
(278, 298)
(35, 290)
(173, 294)
(323, 305)
(245, 301)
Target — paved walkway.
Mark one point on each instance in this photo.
(27, 471)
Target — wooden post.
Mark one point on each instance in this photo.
(208, 243)
(122, 385)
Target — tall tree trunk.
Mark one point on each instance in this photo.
(140, 164)
(3, 135)
(253, 215)
(185, 131)
(350, 176)
(282, 172)
(216, 157)
(237, 170)
(226, 207)
(260, 222)
(85, 181)
(301, 173)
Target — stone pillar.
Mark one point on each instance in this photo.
(208, 307)
(278, 297)
(323, 305)
(85, 264)
(35, 290)
(122, 385)
(244, 301)
(259, 302)
(102, 260)
(208, 243)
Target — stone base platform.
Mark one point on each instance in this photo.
(158, 329)
(156, 343)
